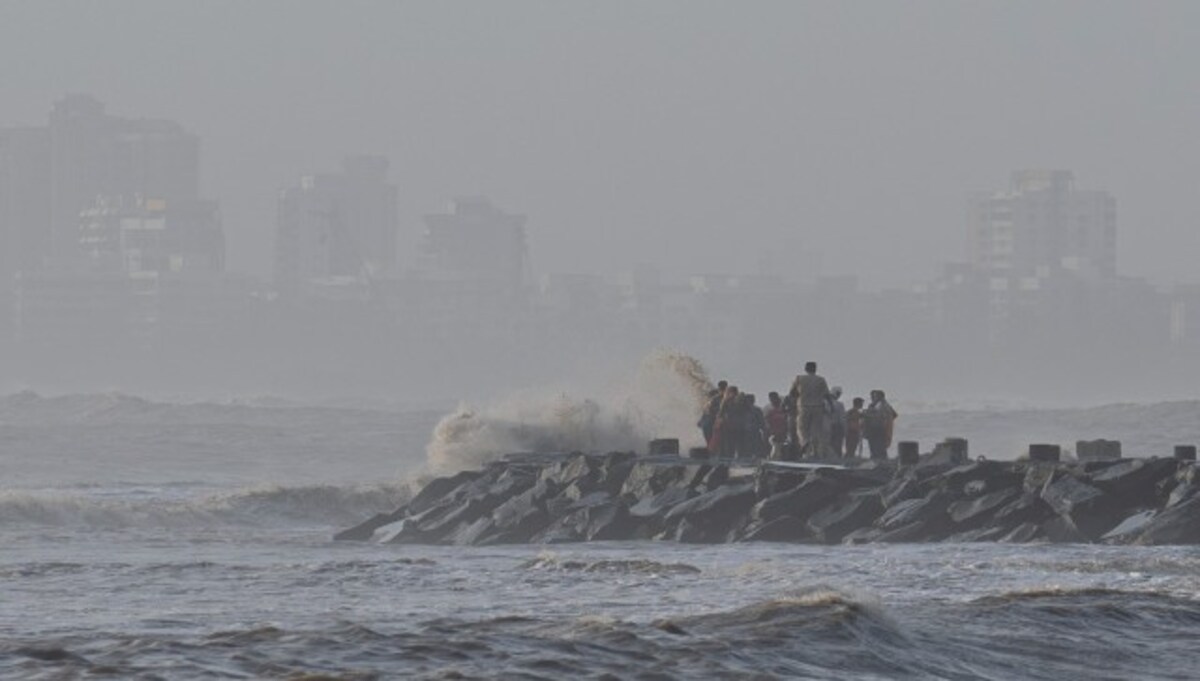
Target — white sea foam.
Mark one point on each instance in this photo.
(660, 399)
(263, 505)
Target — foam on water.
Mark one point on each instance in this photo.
(176, 540)
(141, 507)
(660, 399)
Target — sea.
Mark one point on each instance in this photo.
(192, 539)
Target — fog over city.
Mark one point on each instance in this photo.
(428, 201)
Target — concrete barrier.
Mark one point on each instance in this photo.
(908, 452)
(1045, 452)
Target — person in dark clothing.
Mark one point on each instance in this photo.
(854, 427)
(708, 416)
(754, 437)
(878, 419)
(775, 421)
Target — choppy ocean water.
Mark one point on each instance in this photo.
(142, 540)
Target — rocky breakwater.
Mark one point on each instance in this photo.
(620, 496)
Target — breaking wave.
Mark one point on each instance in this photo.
(266, 505)
(660, 399)
(549, 561)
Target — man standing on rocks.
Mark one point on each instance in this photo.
(813, 392)
(878, 421)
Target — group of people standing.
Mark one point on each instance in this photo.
(809, 422)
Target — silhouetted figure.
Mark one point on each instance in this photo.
(708, 416)
(854, 427)
(837, 420)
(791, 407)
(813, 391)
(754, 437)
(725, 428)
(878, 420)
(775, 419)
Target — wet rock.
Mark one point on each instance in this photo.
(577, 467)
(611, 522)
(1066, 494)
(1037, 475)
(522, 516)
(1022, 534)
(913, 532)
(783, 529)
(721, 502)
(1128, 529)
(366, 529)
(863, 535)
(719, 475)
(660, 503)
(1180, 494)
(1090, 510)
(471, 533)
(1179, 524)
(601, 518)
(1134, 482)
(923, 519)
(439, 488)
(912, 510)
(614, 470)
(1026, 508)
(899, 490)
(769, 480)
(647, 479)
(979, 534)
(1062, 530)
(816, 492)
(978, 510)
(831, 524)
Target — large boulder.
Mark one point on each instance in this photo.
(977, 477)
(709, 517)
(1025, 508)
(770, 480)
(1130, 528)
(520, 517)
(831, 524)
(1179, 524)
(1061, 529)
(1022, 534)
(900, 489)
(1134, 483)
(816, 492)
(782, 529)
(658, 504)
(976, 511)
(1090, 510)
(646, 478)
(366, 529)
(596, 517)
(438, 489)
(923, 519)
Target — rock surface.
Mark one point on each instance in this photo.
(619, 496)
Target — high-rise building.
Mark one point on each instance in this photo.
(95, 154)
(335, 225)
(1042, 224)
(142, 236)
(24, 208)
(475, 241)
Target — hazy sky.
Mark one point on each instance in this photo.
(705, 136)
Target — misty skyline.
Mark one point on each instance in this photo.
(699, 136)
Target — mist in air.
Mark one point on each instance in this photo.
(434, 202)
